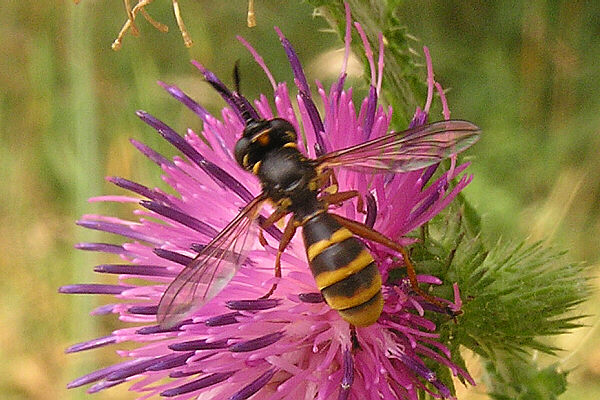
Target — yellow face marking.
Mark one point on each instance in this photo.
(256, 167)
(316, 248)
(245, 161)
(291, 144)
(262, 138)
(342, 302)
(364, 316)
(328, 278)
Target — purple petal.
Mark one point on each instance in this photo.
(173, 256)
(315, 120)
(131, 370)
(103, 385)
(311, 297)
(348, 368)
(255, 386)
(93, 288)
(104, 309)
(117, 229)
(185, 100)
(348, 376)
(235, 101)
(370, 113)
(187, 371)
(182, 218)
(336, 90)
(201, 383)
(444, 391)
(302, 84)
(134, 269)
(294, 62)
(143, 310)
(102, 247)
(101, 373)
(428, 174)
(91, 344)
(200, 344)
(252, 305)
(255, 344)
(150, 330)
(224, 319)
(197, 247)
(427, 203)
(151, 154)
(418, 368)
(214, 171)
(171, 361)
(420, 118)
(139, 189)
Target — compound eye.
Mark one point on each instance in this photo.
(241, 152)
(286, 128)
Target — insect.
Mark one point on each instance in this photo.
(344, 270)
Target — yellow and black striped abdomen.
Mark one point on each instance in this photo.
(344, 270)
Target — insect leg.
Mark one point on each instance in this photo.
(365, 232)
(328, 184)
(274, 218)
(325, 181)
(340, 197)
(288, 234)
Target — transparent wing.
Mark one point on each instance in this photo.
(405, 151)
(211, 270)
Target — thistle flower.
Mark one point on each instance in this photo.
(291, 345)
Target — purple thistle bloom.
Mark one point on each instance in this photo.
(291, 345)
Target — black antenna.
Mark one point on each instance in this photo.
(237, 95)
(236, 76)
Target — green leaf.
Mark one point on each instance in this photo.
(515, 379)
(514, 294)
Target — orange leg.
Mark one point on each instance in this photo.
(279, 213)
(275, 217)
(288, 234)
(326, 181)
(370, 234)
(340, 197)
(328, 184)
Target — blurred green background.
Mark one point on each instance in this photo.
(526, 72)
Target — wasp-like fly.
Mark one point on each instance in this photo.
(344, 270)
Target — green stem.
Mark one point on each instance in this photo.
(87, 175)
(403, 83)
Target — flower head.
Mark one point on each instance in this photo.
(291, 345)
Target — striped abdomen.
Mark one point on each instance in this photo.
(344, 270)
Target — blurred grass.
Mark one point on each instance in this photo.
(525, 72)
